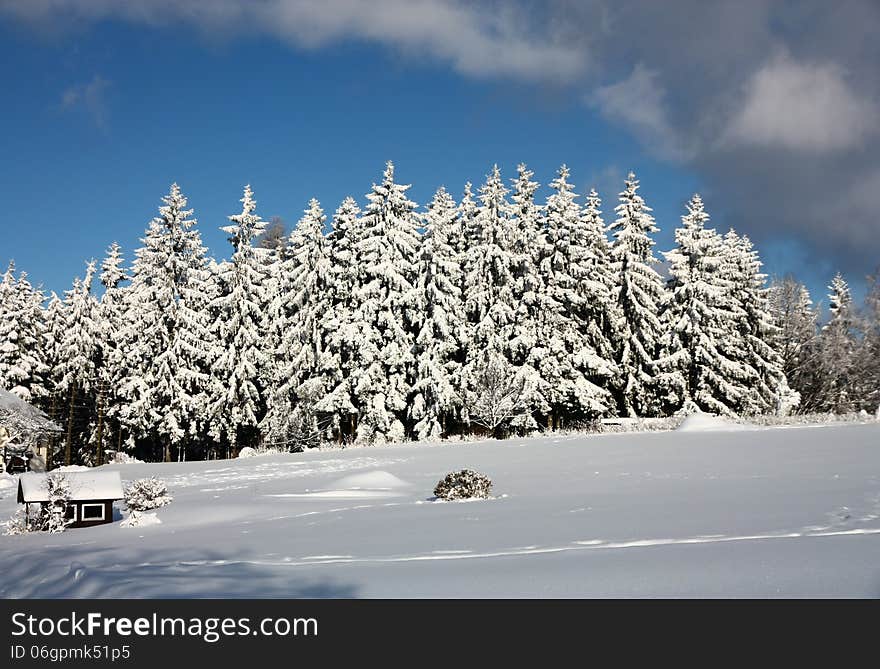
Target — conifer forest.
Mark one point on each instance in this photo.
(482, 312)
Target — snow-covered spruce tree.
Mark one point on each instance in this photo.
(274, 282)
(698, 318)
(77, 353)
(488, 293)
(468, 233)
(468, 238)
(638, 293)
(868, 354)
(762, 374)
(455, 233)
(112, 268)
(23, 368)
(838, 346)
(78, 346)
(385, 311)
(796, 337)
(597, 287)
(527, 248)
(488, 266)
(110, 320)
(526, 244)
(337, 327)
(55, 317)
(570, 366)
(166, 335)
(306, 268)
(33, 340)
(9, 316)
(238, 358)
(441, 325)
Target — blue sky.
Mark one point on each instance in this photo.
(98, 120)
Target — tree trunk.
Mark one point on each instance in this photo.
(67, 449)
(99, 458)
(50, 451)
(50, 447)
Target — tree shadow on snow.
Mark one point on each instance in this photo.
(90, 572)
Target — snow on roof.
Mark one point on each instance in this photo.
(87, 485)
(22, 416)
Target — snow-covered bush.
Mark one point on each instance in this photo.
(54, 513)
(464, 484)
(147, 494)
(580, 426)
(140, 519)
(48, 517)
(688, 409)
(249, 452)
(304, 428)
(787, 399)
(123, 458)
(23, 521)
(770, 420)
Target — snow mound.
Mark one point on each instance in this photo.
(72, 468)
(340, 494)
(375, 480)
(368, 485)
(140, 519)
(247, 452)
(706, 422)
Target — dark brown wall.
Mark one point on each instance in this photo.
(108, 512)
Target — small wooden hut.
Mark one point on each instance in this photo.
(92, 494)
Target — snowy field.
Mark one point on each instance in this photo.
(755, 513)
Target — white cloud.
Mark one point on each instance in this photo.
(608, 182)
(90, 97)
(854, 216)
(702, 83)
(478, 40)
(802, 107)
(638, 102)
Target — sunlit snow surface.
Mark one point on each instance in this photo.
(763, 512)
